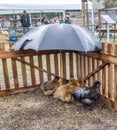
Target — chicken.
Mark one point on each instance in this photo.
(49, 87)
(87, 95)
(81, 81)
(64, 92)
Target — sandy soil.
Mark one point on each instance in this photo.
(35, 111)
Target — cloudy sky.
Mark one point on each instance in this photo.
(39, 1)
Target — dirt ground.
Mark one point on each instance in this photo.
(35, 111)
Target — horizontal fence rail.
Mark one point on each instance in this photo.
(22, 71)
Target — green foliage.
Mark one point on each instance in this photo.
(110, 3)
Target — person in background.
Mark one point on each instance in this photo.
(61, 19)
(44, 21)
(67, 19)
(25, 21)
(18, 21)
(38, 22)
(56, 20)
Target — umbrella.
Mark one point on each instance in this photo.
(58, 37)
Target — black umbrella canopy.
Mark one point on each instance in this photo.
(58, 37)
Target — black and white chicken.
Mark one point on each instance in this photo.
(87, 95)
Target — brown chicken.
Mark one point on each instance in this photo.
(64, 92)
(49, 87)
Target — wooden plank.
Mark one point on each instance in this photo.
(79, 66)
(100, 56)
(110, 49)
(95, 66)
(104, 79)
(115, 79)
(80, 61)
(86, 68)
(19, 53)
(95, 71)
(74, 66)
(104, 75)
(5, 72)
(82, 66)
(99, 73)
(40, 66)
(111, 74)
(15, 73)
(115, 50)
(11, 44)
(110, 81)
(14, 68)
(24, 89)
(48, 66)
(33, 66)
(90, 71)
(24, 75)
(104, 30)
(5, 69)
(2, 47)
(32, 70)
(115, 88)
(104, 47)
(64, 65)
(71, 64)
(19, 90)
(56, 64)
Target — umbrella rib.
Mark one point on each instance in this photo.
(43, 35)
(24, 44)
(79, 37)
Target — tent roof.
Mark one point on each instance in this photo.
(42, 5)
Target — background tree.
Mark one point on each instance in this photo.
(110, 3)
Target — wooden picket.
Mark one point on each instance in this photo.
(25, 70)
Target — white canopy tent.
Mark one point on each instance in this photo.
(36, 6)
(7, 6)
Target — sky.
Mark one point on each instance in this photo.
(40, 1)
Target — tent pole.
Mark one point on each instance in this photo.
(92, 14)
(108, 33)
(40, 14)
(30, 18)
(83, 14)
(64, 16)
(87, 13)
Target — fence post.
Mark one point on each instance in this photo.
(5, 68)
(111, 74)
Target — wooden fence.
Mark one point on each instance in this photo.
(22, 71)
